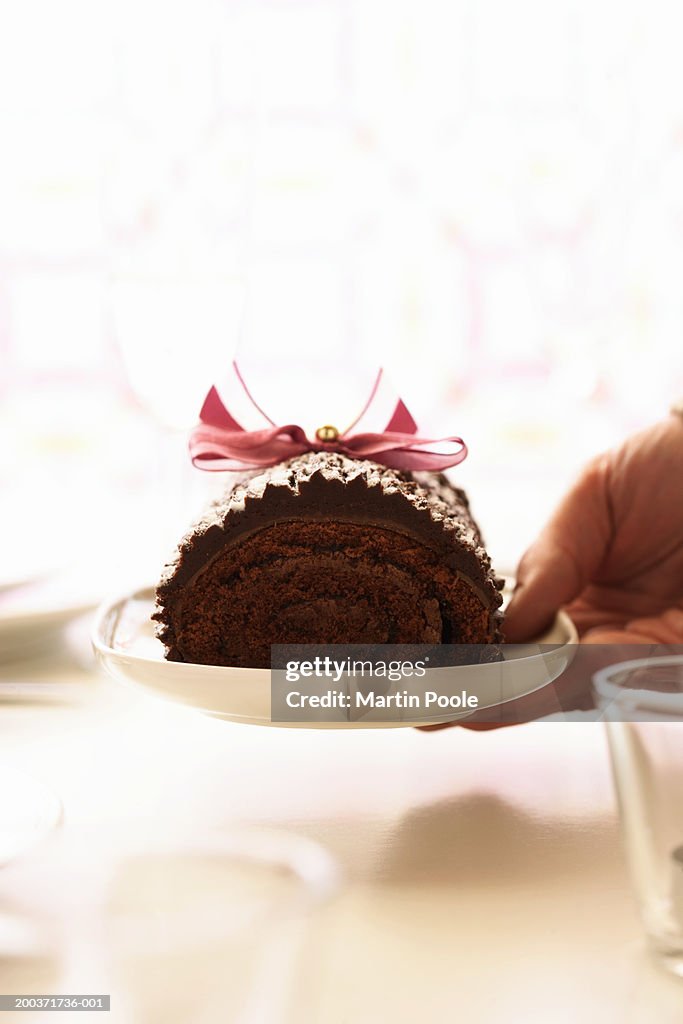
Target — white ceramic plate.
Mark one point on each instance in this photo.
(125, 645)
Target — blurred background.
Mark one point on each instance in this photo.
(484, 197)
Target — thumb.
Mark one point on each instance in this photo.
(564, 558)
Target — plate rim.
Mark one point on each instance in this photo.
(109, 656)
(108, 606)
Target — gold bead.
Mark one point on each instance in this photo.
(327, 433)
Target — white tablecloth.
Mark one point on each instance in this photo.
(484, 876)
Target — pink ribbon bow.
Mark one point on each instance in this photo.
(218, 442)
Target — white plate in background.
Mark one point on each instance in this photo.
(32, 614)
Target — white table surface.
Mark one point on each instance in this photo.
(484, 876)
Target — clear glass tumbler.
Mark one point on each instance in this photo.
(642, 704)
(217, 932)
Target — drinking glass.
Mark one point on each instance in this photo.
(216, 930)
(642, 704)
(211, 926)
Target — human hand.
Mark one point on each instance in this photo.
(612, 553)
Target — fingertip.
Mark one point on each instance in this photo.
(519, 612)
(523, 623)
(524, 616)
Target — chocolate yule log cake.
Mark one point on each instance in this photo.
(326, 549)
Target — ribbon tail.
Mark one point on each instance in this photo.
(401, 421)
(214, 413)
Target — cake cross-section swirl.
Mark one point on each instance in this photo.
(324, 549)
